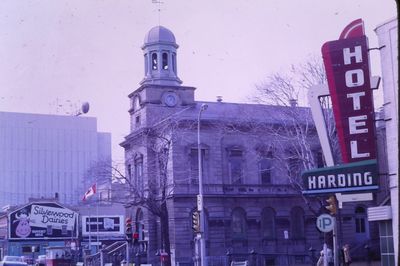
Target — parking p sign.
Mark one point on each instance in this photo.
(325, 223)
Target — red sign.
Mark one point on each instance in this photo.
(347, 68)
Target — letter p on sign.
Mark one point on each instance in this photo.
(325, 223)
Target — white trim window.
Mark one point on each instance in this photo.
(235, 161)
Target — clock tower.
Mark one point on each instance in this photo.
(160, 93)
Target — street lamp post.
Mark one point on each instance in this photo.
(200, 206)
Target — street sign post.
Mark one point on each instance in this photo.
(325, 223)
(352, 197)
(200, 203)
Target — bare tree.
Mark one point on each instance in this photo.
(151, 184)
(285, 88)
(296, 134)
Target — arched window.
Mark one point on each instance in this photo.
(268, 223)
(174, 62)
(154, 62)
(265, 166)
(297, 223)
(239, 226)
(139, 224)
(146, 64)
(165, 61)
(139, 172)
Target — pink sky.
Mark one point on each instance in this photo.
(73, 51)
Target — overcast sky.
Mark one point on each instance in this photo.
(65, 52)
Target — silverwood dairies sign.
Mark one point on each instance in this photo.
(347, 69)
(42, 220)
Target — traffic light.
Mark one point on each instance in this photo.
(196, 221)
(332, 207)
(135, 238)
(128, 229)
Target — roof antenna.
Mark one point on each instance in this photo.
(159, 9)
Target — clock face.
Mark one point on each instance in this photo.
(171, 99)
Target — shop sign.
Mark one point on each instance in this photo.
(359, 176)
(108, 224)
(347, 68)
(42, 220)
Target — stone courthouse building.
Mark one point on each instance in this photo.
(251, 161)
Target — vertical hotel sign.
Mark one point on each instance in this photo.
(347, 67)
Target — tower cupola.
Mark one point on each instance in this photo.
(159, 50)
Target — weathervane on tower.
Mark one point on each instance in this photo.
(159, 2)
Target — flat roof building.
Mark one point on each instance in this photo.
(45, 156)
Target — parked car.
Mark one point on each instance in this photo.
(41, 260)
(12, 261)
(28, 259)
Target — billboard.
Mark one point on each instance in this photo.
(103, 225)
(347, 68)
(44, 220)
(358, 176)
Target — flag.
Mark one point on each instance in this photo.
(91, 191)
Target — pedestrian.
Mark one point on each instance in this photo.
(341, 256)
(329, 257)
(346, 255)
(320, 261)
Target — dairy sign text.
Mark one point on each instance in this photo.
(347, 67)
(43, 216)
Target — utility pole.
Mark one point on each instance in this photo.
(200, 206)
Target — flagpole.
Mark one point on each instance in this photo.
(97, 217)
(90, 233)
(89, 193)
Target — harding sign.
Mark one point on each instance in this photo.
(359, 176)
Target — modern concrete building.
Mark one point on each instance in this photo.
(47, 156)
(388, 213)
(251, 159)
